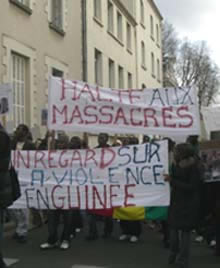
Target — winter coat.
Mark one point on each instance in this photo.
(6, 198)
(185, 195)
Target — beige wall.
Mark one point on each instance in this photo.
(98, 37)
(29, 35)
(151, 45)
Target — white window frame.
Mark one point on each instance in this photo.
(119, 26)
(13, 46)
(120, 77)
(152, 64)
(130, 80)
(142, 18)
(19, 78)
(158, 34)
(111, 72)
(152, 27)
(48, 9)
(143, 54)
(110, 17)
(158, 70)
(98, 63)
(97, 4)
(129, 36)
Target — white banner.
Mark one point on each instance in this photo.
(77, 106)
(5, 99)
(93, 179)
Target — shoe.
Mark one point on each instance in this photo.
(123, 237)
(65, 245)
(199, 239)
(172, 258)
(134, 239)
(72, 236)
(48, 245)
(212, 244)
(92, 237)
(21, 239)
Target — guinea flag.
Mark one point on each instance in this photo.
(140, 213)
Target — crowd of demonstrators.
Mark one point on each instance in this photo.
(195, 205)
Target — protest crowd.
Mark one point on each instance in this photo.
(126, 182)
(194, 207)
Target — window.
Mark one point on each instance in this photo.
(158, 69)
(119, 21)
(120, 77)
(57, 14)
(110, 17)
(130, 82)
(111, 71)
(152, 26)
(19, 81)
(97, 9)
(158, 34)
(57, 73)
(152, 64)
(129, 37)
(142, 12)
(143, 56)
(98, 67)
(23, 4)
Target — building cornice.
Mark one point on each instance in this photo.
(154, 6)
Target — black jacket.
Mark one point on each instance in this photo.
(185, 195)
(28, 145)
(5, 181)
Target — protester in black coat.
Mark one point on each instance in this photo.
(21, 142)
(185, 202)
(5, 185)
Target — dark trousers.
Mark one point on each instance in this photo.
(165, 231)
(180, 246)
(53, 223)
(218, 237)
(77, 221)
(132, 228)
(1, 238)
(108, 225)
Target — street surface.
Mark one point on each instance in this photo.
(111, 253)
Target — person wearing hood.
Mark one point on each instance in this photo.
(185, 201)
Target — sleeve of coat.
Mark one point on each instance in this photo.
(193, 183)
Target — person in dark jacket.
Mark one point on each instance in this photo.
(21, 142)
(130, 229)
(54, 215)
(77, 220)
(185, 202)
(5, 153)
(108, 222)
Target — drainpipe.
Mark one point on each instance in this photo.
(84, 40)
(84, 51)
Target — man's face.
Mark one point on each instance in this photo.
(102, 139)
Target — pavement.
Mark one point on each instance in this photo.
(109, 253)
